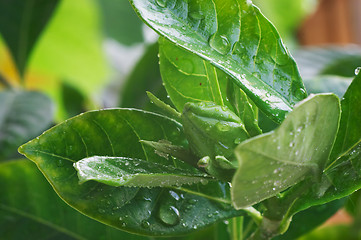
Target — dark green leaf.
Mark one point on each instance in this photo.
(116, 133)
(349, 133)
(21, 22)
(23, 115)
(339, 180)
(74, 102)
(119, 171)
(277, 160)
(310, 219)
(30, 209)
(120, 22)
(235, 37)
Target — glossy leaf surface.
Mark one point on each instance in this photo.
(116, 133)
(339, 180)
(277, 160)
(21, 22)
(30, 209)
(23, 115)
(246, 46)
(349, 134)
(118, 171)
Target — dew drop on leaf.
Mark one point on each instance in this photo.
(357, 70)
(145, 224)
(300, 93)
(220, 43)
(161, 3)
(169, 215)
(197, 15)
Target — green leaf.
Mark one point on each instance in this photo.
(119, 171)
(144, 77)
(349, 134)
(310, 219)
(116, 133)
(21, 22)
(326, 84)
(30, 209)
(73, 100)
(23, 115)
(235, 37)
(120, 22)
(189, 78)
(245, 109)
(343, 67)
(339, 180)
(272, 162)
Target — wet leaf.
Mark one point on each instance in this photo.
(118, 171)
(116, 133)
(246, 46)
(299, 148)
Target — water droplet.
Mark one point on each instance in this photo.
(220, 43)
(300, 93)
(161, 3)
(357, 70)
(292, 144)
(100, 210)
(197, 15)
(145, 224)
(174, 195)
(169, 215)
(237, 141)
(222, 127)
(204, 181)
(243, 76)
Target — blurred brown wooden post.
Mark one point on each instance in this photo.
(334, 22)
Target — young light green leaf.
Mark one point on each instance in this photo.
(349, 134)
(120, 171)
(299, 148)
(245, 108)
(21, 22)
(117, 133)
(235, 37)
(212, 130)
(23, 115)
(189, 78)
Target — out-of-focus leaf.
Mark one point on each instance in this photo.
(325, 84)
(21, 22)
(344, 67)
(30, 209)
(120, 21)
(286, 15)
(73, 100)
(299, 148)
(144, 77)
(310, 219)
(117, 133)
(71, 50)
(332, 233)
(247, 47)
(23, 115)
